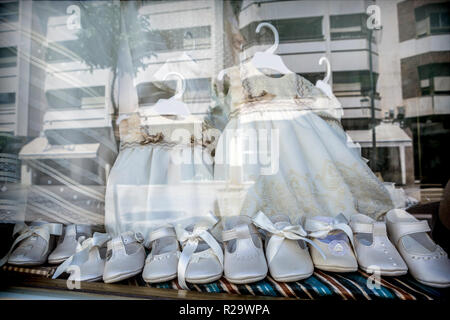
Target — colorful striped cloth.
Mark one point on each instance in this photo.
(321, 285)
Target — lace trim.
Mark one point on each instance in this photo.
(266, 106)
(133, 134)
(158, 140)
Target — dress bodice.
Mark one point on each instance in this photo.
(142, 128)
(245, 86)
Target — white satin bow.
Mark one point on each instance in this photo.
(278, 235)
(190, 241)
(25, 231)
(320, 229)
(82, 252)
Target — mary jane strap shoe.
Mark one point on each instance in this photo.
(374, 250)
(88, 263)
(286, 249)
(334, 237)
(33, 243)
(201, 260)
(68, 244)
(162, 262)
(125, 257)
(244, 260)
(428, 263)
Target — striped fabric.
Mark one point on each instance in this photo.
(321, 285)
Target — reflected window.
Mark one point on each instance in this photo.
(77, 98)
(348, 26)
(9, 11)
(8, 57)
(299, 29)
(351, 83)
(179, 39)
(434, 79)
(432, 19)
(62, 51)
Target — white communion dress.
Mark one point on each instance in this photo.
(285, 135)
(150, 160)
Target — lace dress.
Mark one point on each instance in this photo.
(152, 157)
(285, 135)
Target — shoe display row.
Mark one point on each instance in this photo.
(250, 248)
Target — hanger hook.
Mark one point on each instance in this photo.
(188, 33)
(328, 73)
(181, 79)
(274, 47)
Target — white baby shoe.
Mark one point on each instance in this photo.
(88, 263)
(125, 257)
(374, 251)
(244, 260)
(33, 243)
(201, 260)
(428, 263)
(333, 236)
(286, 250)
(162, 262)
(68, 242)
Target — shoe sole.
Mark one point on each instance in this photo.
(94, 279)
(204, 280)
(246, 280)
(27, 263)
(335, 269)
(57, 261)
(434, 284)
(122, 276)
(162, 279)
(292, 278)
(386, 273)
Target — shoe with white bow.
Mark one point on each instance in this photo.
(334, 237)
(201, 260)
(286, 248)
(33, 243)
(88, 263)
(162, 262)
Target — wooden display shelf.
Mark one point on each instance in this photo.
(93, 290)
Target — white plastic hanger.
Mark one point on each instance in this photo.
(268, 59)
(323, 84)
(174, 105)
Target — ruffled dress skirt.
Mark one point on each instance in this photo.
(138, 195)
(301, 165)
